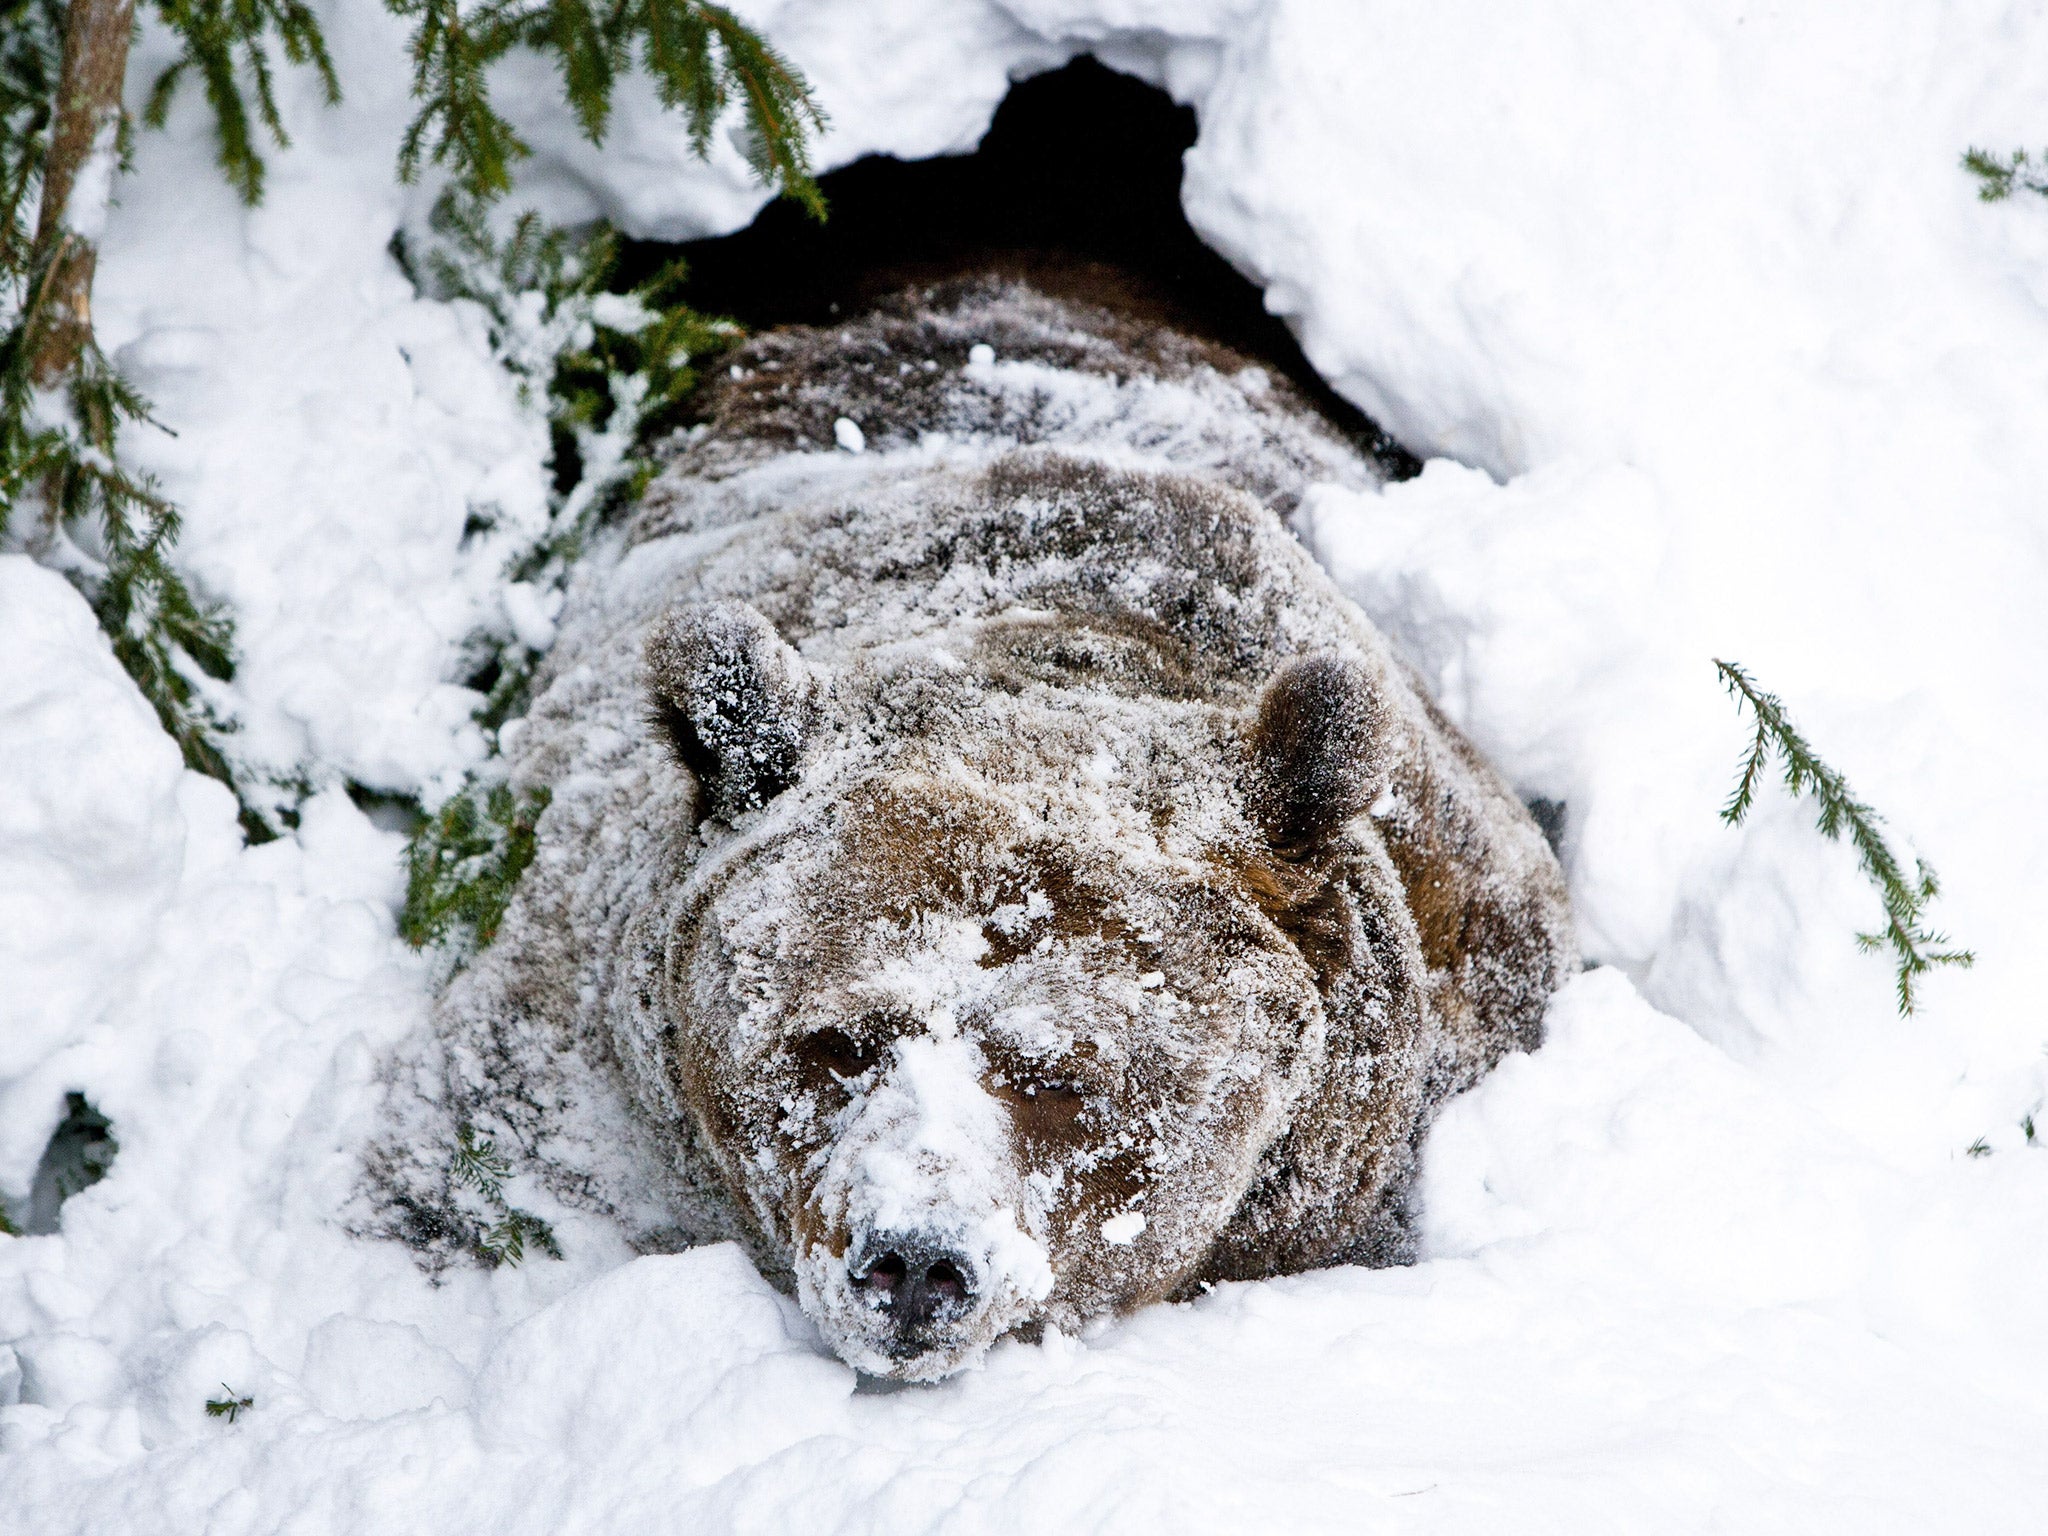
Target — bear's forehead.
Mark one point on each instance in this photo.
(1037, 949)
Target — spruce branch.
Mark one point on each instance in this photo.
(227, 43)
(507, 1240)
(63, 407)
(1916, 949)
(31, 46)
(464, 862)
(477, 1164)
(1999, 176)
(700, 57)
(227, 1405)
(58, 460)
(612, 371)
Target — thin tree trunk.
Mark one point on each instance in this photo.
(80, 170)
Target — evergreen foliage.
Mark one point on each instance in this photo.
(1999, 176)
(612, 372)
(461, 868)
(700, 57)
(606, 361)
(227, 1405)
(31, 40)
(1916, 949)
(509, 1236)
(229, 41)
(108, 529)
(624, 367)
(478, 1165)
(63, 491)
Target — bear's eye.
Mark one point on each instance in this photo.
(837, 1052)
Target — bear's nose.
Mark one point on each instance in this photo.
(919, 1283)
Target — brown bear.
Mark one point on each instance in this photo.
(991, 872)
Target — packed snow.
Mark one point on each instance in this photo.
(1715, 353)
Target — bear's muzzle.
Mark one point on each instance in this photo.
(925, 1254)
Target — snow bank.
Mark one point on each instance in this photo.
(1732, 363)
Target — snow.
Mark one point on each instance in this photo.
(1121, 1231)
(85, 211)
(1717, 354)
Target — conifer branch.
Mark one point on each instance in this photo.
(225, 43)
(463, 864)
(59, 461)
(227, 1405)
(477, 1164)
(506, 1242)
(31, 41)
(63, 407)
(1999, 176)
(700, 56)
(613, 371)
(1916, 949)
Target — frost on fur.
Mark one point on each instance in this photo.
(956, 885)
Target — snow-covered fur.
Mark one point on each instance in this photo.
(993, 876)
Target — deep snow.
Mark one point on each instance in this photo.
(1732, 362)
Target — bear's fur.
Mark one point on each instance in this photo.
(995, 877)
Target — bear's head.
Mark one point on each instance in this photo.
(987, 1000)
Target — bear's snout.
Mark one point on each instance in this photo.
(922, 1247)
(925, 1287)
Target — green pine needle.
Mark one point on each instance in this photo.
(463, 864)
(227, 44)
(1999, 176)
(700, 56)
(59, 466)
(614, 372)
(508, 1239)
(477, 1164)
(109, 529)
(228, 1406)
(31, 44)
(1916, 949)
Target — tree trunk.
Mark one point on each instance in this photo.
(79, 173)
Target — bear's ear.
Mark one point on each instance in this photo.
(1314, 750)
(732, 700)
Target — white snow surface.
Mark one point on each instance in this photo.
(1717, 354)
